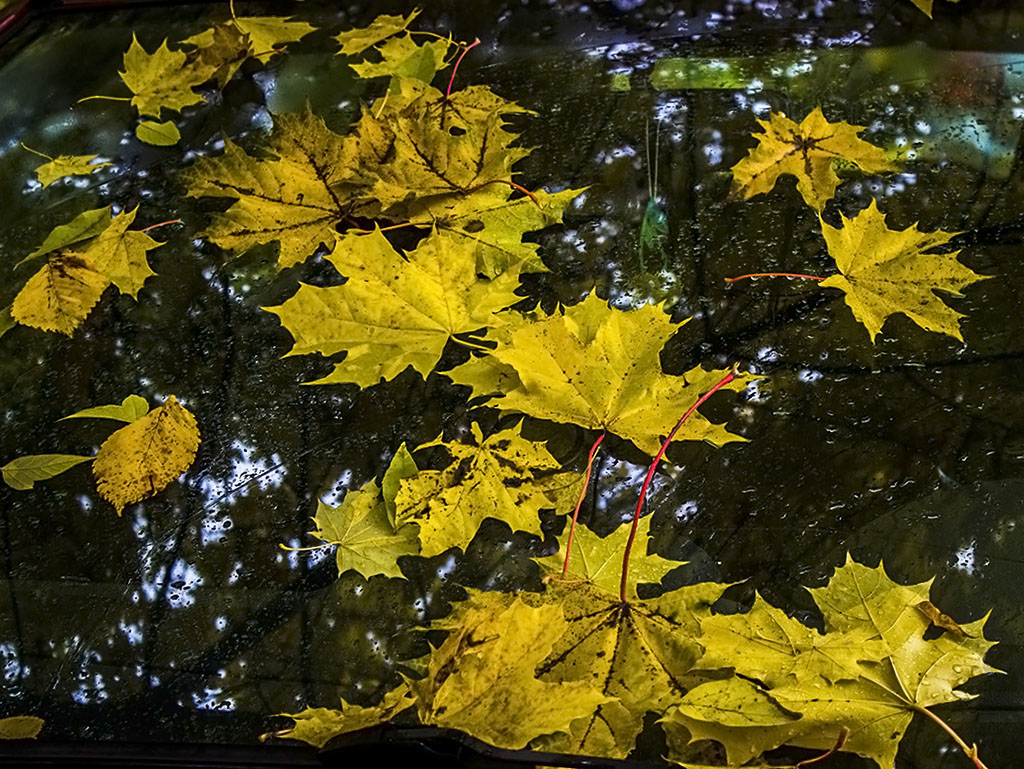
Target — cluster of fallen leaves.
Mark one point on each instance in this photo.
(882, 271)
(576, 670)
(578, 667)
(134, 462)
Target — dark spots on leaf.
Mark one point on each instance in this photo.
(474, 226)
(456, 131)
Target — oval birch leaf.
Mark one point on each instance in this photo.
(61, 294)
(23, 472)
(139, 460)
(160, 134)
(20, 727)
(130, 409)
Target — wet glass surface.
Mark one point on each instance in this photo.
(184, 620)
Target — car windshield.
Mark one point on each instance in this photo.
(560, 374)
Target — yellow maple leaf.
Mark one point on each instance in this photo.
(355, 41)
(481, 679)
(65, 165)
(600, 368)
(140, 459)
(394, 311)
(120, 254)
(162, 79)
(808, 151)
(61, 294)
(288, 197)
(884, 272)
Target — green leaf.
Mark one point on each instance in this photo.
(353, 41)
(67, 165)
(734, 702)
(20, 727)
(767, 645)
(884, 272)
(317, 726)
(23, 472)
(402, 56)
(600, 368)
(870, 672)
(87, 224)
(160, 134)
(503, 476)
(269, 32)
(394, 311)
(130, 409)
(367, 541)
(402, 466)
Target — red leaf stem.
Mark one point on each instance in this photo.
(579, 502)
(774, 275)
(650, 475)
(458, 61)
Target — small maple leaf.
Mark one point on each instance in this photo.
(318, 726)
(441, 146)
(67, 165)
(403, 57)
(62, 293)
(394, 311)
(807, 150)
(368, 540)
(503, 476)
(597, 367)
(140, 459)
(884, 272)
(162, 79)
(353, 41)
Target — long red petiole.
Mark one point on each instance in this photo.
(579, 502)
(161, 224)
(650, 475)
(458, 61)
(774, 275)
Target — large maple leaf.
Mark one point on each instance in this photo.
(288, 198)
(394, 311)
(638, 653)
(808, 151)
(503, 476)
(481, 680)
(884, 272)
(600, 368)
(868, 674)
(440, 146)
